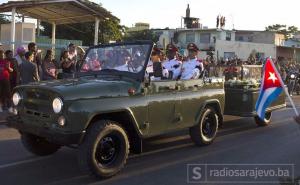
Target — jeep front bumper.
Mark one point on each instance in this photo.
(50, 134)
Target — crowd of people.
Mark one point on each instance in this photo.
(28, 66)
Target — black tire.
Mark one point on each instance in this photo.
(205, 132)
(104, 150)
(264, 122)
(37, 145)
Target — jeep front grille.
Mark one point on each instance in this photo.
(38, 114)
(37, 95)
(38, 101)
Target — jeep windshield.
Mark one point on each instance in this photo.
(117, 58)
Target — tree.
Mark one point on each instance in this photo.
(108, 30)
(141, 35)
(288, 32)
(111, 30)
(3, 19)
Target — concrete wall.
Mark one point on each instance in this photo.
(243, 49)
(287, 53)
(298, 55)
(182, 42)
(25, 33)
(265, 37)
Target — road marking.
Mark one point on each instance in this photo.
(23, 162)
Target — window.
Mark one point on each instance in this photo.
(228, 36)
(205, 38)
(250, 39)
(190, 37)
(260, 56)
(240, 38)
(229, 55)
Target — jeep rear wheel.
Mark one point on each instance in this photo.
(37, 145)
(105, 149)
(205, 132)
(264, 122)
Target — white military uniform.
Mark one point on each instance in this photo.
(190, 69)
(149, 68)
(170, 66)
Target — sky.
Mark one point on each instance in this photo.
(243, 14)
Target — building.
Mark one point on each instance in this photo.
(264, 37)
(140, 26)
(297, 36)
(290, 51)
(226, 44)
(293, 43)
(190, 22)
(165, 36)
(205, 39)
(25, 33)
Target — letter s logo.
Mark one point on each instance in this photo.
(197, 173)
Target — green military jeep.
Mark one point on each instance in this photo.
(106, 111)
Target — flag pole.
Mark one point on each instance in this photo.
(285, 90)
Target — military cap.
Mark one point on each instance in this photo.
(192, 46)
(171, 47)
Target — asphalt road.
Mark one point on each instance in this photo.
(166, 158)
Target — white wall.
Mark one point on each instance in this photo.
(25, 33)
(243, 49)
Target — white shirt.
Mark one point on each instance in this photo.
(19, 59)
(190, 70)
(170, 64)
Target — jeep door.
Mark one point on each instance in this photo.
(163, 105)
(192, 95)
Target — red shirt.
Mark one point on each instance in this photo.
(4, 73)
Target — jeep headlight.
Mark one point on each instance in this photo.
(57, 105)
(16, 98)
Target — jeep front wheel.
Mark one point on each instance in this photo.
(37, 145)
(264, 122)
(205, 132)
(105, 149)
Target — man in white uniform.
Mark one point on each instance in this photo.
(192, 68)
(172, 64)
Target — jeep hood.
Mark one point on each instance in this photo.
(84, 88)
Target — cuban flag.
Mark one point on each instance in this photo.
(270, 88)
